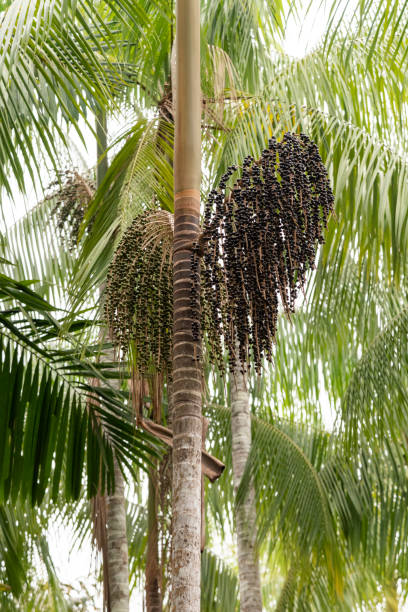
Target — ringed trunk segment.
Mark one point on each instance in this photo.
(187, 419)
(186, 392)
(248, 562)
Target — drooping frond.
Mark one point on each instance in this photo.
(55, 65)
(376, 397)
(219, 582)
(136, 527)
(34, 247)
(293, 502)
(247, 43)
(57, 426)
(13, 550)
(377, 26)
(139, 178)
(290, 486)
(344, 309)
(28, 576)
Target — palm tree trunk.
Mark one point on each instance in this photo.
(248, 563)
(117, 545)
(187, 426)
(153, 570)
(116, 538)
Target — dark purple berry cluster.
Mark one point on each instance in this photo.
(258, 242)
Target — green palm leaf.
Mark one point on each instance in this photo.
(54, 64)
(139, 177)
(33, 246)
(56, 425)
(293, 501)
(376, 397)
(219, 585)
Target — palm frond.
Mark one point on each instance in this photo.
(375, 25)
(56, 424)
(136, 525)
(22, 543)
(219, 584)
(376, 397)
(344, 309)
(139, 177)
(13, 550)
(292, 491)
(54, 66)
(35, 251)
(284, 464)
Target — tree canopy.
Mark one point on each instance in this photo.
(329, 415)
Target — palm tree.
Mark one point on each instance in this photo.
(248, 560)
(114, 542)
(187, 417)
(368, 177)
(61, 428)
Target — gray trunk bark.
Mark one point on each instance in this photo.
(153, 570)
(116, 537)
(248, 563)
(187, 425)
(117, 546)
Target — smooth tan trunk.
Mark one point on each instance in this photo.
(248, 563)
(187, 425)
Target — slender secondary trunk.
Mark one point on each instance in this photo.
(117, 572)
(248, 564)
(187, 425)
(153, 572)
(117, 545)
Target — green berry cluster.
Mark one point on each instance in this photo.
(72, 193)
(139, 298)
